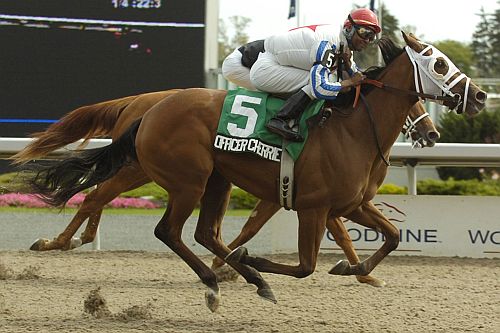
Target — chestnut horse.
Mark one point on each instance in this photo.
(113, 117)
(332, 175)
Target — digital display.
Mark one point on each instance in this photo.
(185, 11)
(58, 55)
(136, 3)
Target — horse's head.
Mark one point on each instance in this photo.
(420, 128)
(435, 74)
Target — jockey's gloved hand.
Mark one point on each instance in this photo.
(354, 80)
(346, 59)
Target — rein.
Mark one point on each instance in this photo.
(372, 122)
(378, 84)
(383, 86)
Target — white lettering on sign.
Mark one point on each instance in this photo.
(248, 145)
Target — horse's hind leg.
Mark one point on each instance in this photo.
(342, 238)
(64, 240)
(88, 235)
(369, 216)
(126, 180)
(169, 231)
(92, 207)
(208, 230)
(261, 213)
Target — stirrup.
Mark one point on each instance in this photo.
(280, 127)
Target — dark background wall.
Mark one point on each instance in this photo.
(47, 72)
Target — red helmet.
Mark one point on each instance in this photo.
(364, 17)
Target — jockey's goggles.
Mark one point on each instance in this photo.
(365, 33)
(362, 31)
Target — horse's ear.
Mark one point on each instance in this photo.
(414, 37)
(412, 41)
(405, 36)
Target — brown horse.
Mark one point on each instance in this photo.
(62, 133)
(332, 174)
(113, 117)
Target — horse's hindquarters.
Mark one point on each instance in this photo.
(174, 140)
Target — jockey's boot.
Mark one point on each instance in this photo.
(292, 109)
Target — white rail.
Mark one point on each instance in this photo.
(442, 154)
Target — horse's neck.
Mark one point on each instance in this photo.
(391, 109)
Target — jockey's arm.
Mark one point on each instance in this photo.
(322, 82)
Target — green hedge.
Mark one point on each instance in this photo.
(459, 187)
(483, 128)
(392, 189)
(243, 200)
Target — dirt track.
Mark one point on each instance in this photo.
(152, 291)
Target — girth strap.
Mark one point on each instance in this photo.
(285, 187)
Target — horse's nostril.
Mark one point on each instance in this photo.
(481, 96)
(433, 136)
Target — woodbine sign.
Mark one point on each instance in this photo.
(464, 226)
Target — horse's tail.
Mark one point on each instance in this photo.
(85, 123)
(56, 182)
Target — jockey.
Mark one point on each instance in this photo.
(299, 62)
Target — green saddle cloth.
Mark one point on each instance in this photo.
(242, 125)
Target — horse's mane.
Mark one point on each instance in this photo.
(390, 51)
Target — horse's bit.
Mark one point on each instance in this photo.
(410, 127)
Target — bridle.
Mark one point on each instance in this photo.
(410, 127)
(428, 84)
(428, 81)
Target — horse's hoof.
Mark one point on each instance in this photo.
(39, 244)
(226, 273)
(267, 294)
(74, 243)
(236, 254)
(341, 268)
(212, 299)
(372, 281)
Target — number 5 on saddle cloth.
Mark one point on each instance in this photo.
(242, 125)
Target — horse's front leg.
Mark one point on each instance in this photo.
(312, 225)
(342, 238)
(369, 216)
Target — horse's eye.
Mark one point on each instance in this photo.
(440, 63)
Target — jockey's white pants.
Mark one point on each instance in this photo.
(234, 71)
(267, 74)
